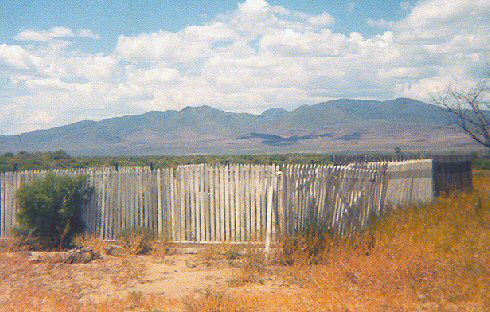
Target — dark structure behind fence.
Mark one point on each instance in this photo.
(451, 174)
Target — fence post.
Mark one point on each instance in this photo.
(280, 213)
(159, 204)
(272, 182)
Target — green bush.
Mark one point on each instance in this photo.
(51, 208)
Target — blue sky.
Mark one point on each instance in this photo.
(113, 18)
(66, 61)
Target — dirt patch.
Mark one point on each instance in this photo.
(174, 276)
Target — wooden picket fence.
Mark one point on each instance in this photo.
(225, 203)
(337, 199)
(201, 203)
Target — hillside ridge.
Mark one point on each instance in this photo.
(342, 124)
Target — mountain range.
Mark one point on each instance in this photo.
(332, 126)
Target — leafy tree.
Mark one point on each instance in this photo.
(51, 208)
(60, 154)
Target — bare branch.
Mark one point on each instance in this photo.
(468, 107)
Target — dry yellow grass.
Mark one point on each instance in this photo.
(434, 257)
(430, 258)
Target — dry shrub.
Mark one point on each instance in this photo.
(217, 254)
(209, 253)
(136, 241)
(17, 242)
(232, 252)
(161, 249)
(304, 249)
(93, 242)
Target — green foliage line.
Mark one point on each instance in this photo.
(61, 159)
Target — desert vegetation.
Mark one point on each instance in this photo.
(51, 209)
(422, 258)
(61, 160)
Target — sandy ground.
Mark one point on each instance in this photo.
(173, 276)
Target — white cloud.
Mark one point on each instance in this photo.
(54, 33)
(252, 58)
(163, 46)
(323, 19)
(15, 56)
(87, 33)
(293, 43)
(254, 6)
(47, 84)
(44, 35)
(157, 75)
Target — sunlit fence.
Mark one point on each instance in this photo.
(242, 203)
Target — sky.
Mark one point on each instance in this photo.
(66, 61)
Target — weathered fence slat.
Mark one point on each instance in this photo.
(240, 203)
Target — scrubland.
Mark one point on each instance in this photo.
(428, 258)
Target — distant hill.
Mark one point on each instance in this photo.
(338, 125)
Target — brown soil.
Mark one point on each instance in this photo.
(173, 276)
